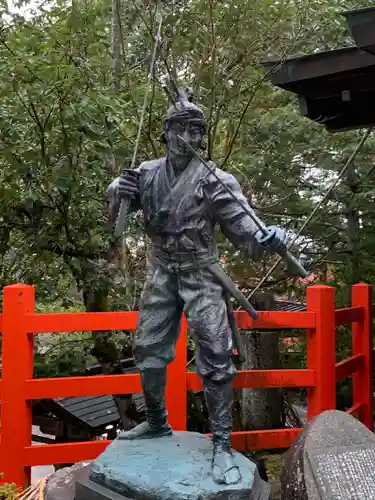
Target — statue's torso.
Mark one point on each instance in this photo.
(177, 212)
(180, 214)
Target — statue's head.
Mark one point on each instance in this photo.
(184, 118)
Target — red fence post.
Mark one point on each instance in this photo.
(321, 349)
(17, 366)
(362, 344)
(176, 384)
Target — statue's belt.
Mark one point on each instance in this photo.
(216, 271)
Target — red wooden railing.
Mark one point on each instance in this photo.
(19, 322)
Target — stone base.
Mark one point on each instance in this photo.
(88, 490)
(176, 467)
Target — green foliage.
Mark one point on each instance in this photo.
(59, 125)
(9, 491)
(68, 353)
(63, 355)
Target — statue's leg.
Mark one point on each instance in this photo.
(153, 382)
(206, 312)
(154, 348)
(219, 400)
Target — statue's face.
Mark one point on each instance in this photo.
(190, 131)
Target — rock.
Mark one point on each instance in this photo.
(176, 467)
(61, 484)
(332, 458)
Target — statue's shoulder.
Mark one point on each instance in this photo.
(219, 177)
(148, 169)
(150, 165)
(144, 168)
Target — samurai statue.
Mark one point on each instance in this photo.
(182, 202)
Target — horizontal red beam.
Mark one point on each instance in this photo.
(276, 320)
(130, 383)
(46, 454)
(262, 379)
(264, 440)
(348, 315)
(68, 322)
(63, 453)
(348, 366)
(82, 386)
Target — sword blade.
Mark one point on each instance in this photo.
(230, 287)
(233, 326)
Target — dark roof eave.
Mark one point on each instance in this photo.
(361, 23)
(319, 65)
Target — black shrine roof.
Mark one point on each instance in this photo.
(290, 306)
(335, 87)
(361, 23)
(92, 412)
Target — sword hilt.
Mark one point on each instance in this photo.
(294, 265)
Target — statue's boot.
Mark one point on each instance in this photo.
(153, 382)
(219, 400)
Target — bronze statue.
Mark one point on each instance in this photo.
(182, 202)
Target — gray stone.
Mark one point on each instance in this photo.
(61, 485)
(332, 459)
(176, 467)
(88, 490)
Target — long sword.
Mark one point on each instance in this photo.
(125, 204)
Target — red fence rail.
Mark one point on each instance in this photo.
(19, 323)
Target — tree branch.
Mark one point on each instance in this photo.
(212, 78)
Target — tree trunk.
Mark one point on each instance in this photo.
(352, 215)
(116, 44)
(261, 408)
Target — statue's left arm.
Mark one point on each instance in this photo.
(233, 220)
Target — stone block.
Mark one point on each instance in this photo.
(332, 458)
(61, 485)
